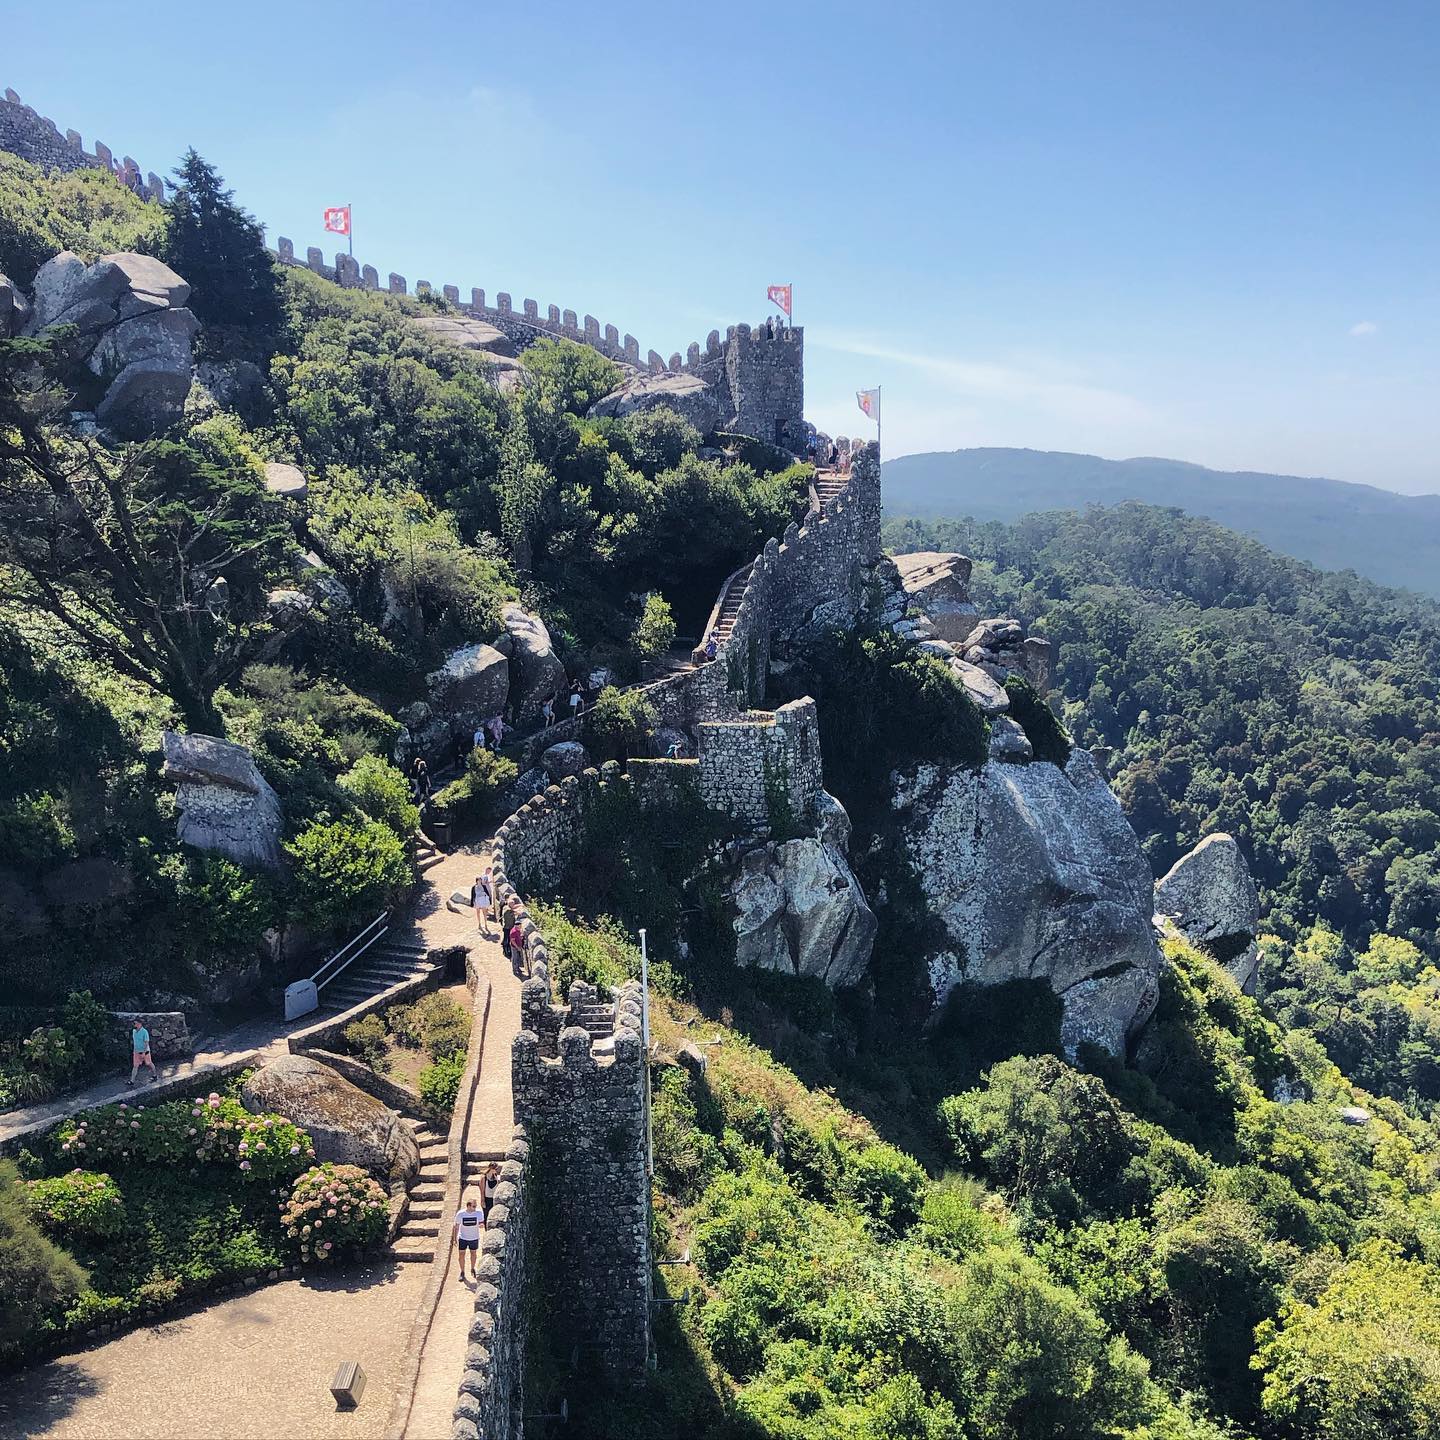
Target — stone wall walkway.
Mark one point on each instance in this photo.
(489, 1132)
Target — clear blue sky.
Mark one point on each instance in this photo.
(1202, 230)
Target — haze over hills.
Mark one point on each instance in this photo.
(1393, 539)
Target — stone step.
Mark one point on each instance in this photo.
(416, 1229)
(414, 1249)
(423, 1209)
(434, 1154)
(428, 1190)
(485, 1155)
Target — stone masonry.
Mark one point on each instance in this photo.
(35, 138)
(744, 762)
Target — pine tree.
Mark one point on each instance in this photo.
(220, 250)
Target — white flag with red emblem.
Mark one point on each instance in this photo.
(779, 295)
(869, 402)
(337, 220)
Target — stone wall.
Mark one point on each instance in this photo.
(169, 1032)
(35, 138)
(742, 760)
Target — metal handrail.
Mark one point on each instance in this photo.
(379, 926)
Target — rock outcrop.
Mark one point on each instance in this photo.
(686, 394)
(490, 343)
(470, 688)
(131, 329)
(1210, 897)
(800, 911)
(568, 757)
(536, 670)
(348, 1126)
(226, 805)
(1035, 874)
(939, 584)
(14, 311)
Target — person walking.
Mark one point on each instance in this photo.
(482, 898)
(547, 711)
(480, 740)
(577, 699)
(140, 1051)
(497, 732)
(469, 1222)
(420, 780)
(712, 646)
(517, 945)
(489, 1183)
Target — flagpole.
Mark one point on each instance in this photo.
(879, 411)
(350, 227)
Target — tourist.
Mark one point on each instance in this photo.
(712, 646)
(420, 780)
(140, 1051)
(517, 944)
(489, 1184)
(676, 749)
(469, 1222)
(497, 732)
(577, 699)
(547, 711)
(479, 740)
(482, 898)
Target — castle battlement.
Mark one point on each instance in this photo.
(37, 138)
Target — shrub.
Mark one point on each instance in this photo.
(620, 722)
(383, 793)
(366, 1038)
(80, 1203)
(335, 1211)
(345, 869)
(1045, 733)
(472, 798)
(654, 632)
(38, 1280)
(887, 1184)
(440, 1084)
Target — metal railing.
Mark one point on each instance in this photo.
(303, 996)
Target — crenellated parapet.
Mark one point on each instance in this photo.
(38, 139)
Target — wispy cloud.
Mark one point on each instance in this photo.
(1364, 328)
(1042, 387)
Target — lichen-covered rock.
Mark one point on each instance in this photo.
(535, 670)
(1210, 896)
(568, 757)
(982, 688)
(939, 583)
(1035, 874)
(287, 481)
(348, 1126)
(226, 805)
(686, 394)
(800, 910)
(1008, 742)
(470, 688)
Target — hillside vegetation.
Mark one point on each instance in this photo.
(1393, 539)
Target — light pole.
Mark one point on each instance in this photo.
(645, 1041)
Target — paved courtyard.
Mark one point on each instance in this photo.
(256, 1367)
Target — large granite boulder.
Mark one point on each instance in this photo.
(800, 910)
(536, 672)
(568, 757)
(133, 331)
(286, 480)
(686, 394)
(1035, 874)
(486, 341)
(939, 583)
(470, 687)
(347, 1126)
(1211, 898)
(226, 805)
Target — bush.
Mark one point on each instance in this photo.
(383, 793)
(472, 799)
(620, 722)
(80, 1203)
(440, 1084)
(335, 1211)
(366, 1038)
(347, 869)
(1045, 733)
(654, 632)
(37, 1279)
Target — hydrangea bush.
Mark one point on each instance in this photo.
(80, 1203)
(214, 1130)
(334, 1211)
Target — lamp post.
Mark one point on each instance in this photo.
(645, 1041)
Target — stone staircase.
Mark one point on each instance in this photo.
(829, 484)
(598, 1019)
(730, 606)
(386, 963)
(415, 1242)
(427, 854)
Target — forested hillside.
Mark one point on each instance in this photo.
(1246, 692)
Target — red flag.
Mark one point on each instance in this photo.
(779, 295)
(337, 220)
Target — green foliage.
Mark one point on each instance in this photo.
(223, 908)
(474, 797)
(1362, 1362)
(81, 1202)
(440, 1085)
(368, 1038)
(444, 1027)
(619, 723)
(569, 375)
(220, 250)
(335, 1212)
(654, 632)
(347, 869)
(383, 793)
(88, 211)
(37, 1278)
(1045, 733)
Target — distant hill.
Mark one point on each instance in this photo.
(1393, 539)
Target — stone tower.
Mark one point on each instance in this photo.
(764, 383)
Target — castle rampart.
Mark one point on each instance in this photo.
(763, 759)
(36, 138)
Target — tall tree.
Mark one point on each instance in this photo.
(220, 249)
(155, 560)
